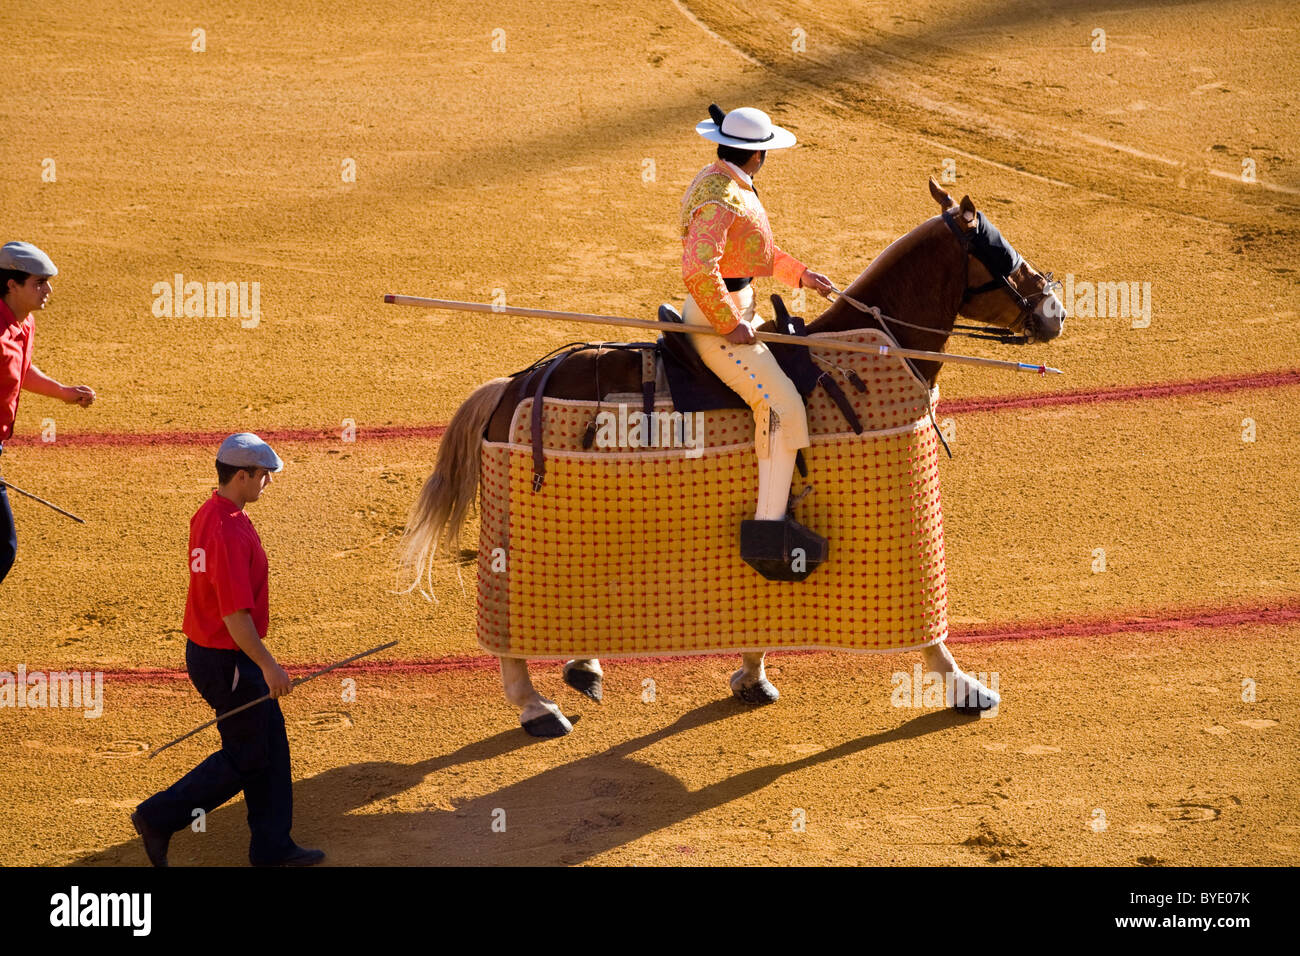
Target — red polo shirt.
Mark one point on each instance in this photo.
(227, 574)
(15, 359)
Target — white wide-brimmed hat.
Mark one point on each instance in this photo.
(744, 128)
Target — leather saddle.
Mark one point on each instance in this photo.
(694, 387)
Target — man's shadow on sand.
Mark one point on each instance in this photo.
(564, 815)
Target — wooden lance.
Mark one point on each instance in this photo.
(821, 343)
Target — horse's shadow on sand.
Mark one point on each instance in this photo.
(565, 815)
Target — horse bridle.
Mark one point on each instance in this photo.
(975, 243)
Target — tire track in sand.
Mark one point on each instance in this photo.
(914, 94)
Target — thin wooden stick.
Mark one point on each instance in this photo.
(4, 483)
(296, 682)
(820, 343)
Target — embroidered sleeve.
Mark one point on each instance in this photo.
(787, 268)
(702, 249)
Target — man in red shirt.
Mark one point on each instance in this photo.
(227, 615)
(25, 274)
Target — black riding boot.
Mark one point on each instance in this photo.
(782, 550)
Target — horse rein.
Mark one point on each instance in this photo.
(976, 331)
(880, 316)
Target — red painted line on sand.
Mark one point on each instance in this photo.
(1278, 611)
(957, 406)
(147, 439)
(1124, 393)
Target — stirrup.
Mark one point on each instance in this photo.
(782, 550)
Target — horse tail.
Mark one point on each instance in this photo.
(439, 512)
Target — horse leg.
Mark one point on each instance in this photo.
(969, 695)
(586, 677)
(539, 716)
(750, 683)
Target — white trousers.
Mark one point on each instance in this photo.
(780, 422)
(752, 372)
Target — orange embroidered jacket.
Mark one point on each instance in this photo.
(725, 233)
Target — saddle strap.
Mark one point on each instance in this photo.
(796, 361)
(648, 372)
(543, 375)
(827, 381)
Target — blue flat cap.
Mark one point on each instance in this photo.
(246, 450)
(25, 257)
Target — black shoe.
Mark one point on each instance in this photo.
(782, 550)
(297, 856)
(155, 843)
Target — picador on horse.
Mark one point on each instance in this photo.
(593, 570)
(726, 243)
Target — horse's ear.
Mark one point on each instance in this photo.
(782, 313)
(941, 197)
(968, 209)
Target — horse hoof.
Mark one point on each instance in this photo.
(973, 699)
(547, 725)
(763, 692)
(585, 682)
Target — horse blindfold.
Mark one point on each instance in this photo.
(992, 250)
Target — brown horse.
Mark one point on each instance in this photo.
(955, 263)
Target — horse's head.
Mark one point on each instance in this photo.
(1002, 289)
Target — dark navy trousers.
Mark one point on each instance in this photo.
(8, 534)
(254, 757)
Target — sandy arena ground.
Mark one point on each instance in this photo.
(1124, 737)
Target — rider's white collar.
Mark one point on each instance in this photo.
(744, 176)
